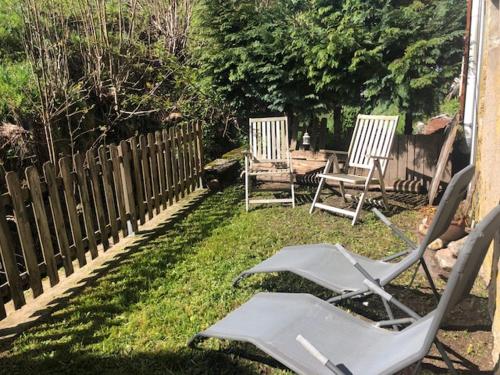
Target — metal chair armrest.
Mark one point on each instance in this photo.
(390, 298)
(318, 355)
(398, 232)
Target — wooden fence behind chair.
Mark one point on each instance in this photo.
(62, 221)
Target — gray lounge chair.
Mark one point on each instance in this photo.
(336, 269)
(311, 336)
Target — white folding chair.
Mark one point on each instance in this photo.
(369, 150)
(269, 154)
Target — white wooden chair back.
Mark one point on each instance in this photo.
(373, 135)
(269, 139)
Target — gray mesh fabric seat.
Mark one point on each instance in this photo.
(332, 267)
(342, 343)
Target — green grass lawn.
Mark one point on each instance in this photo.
(139, 316)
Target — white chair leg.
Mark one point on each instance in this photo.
(292, 186)
(318, 192)
(359, 207)
(247, 190)
(342, 191)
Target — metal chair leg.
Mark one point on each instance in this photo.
(446, 359)
(429, 279)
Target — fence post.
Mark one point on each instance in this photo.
(25, 234)
(168, 167)
(42, 224)
(57, 216)
(139, 190)
(108, 193)
(128, 184)
(65, 166)
(117, 178)
(98, 201)
(175, 167)
(153, 160)
(9, 263)
(146, 173)
(161, 167)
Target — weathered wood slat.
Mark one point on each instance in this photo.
(174, 163)
(3, 312)
(57, 216)
(65, 166)
(139, 189)
(81, 176)
(192, 163)
(118, 182)
(42, 224)
(168, 167)
(153, 160)
(187, 158)
(108, 193)
(201, 156)
(180, 161)
(128, 184)
(146, 174)
(98, 200)
(196, 156)
(10, 263)
(161, 167)
(25, 234)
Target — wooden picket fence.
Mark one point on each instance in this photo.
(56, 221)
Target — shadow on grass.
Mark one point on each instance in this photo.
(60, 341)
(186, 362)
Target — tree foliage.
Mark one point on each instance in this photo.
(310, 56)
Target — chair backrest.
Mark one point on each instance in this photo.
(454, 194)
(269, 138)
(466, 269)
(373, 135)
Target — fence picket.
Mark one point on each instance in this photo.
(117, 178)
(108, 193)
(161, 167)
(127, 184)
(98, 201)
(57, 216)
(42, 224)
(85, 202)
(25, 234)
(192, 161)
(174, 163)
(199, 144)
(168, 167)
(10, 264)
(139, 190)
(180, 161)
(65, 166)
(187, 157)
(153, 160)
(146, 174)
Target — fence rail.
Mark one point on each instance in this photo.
(58, 221)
